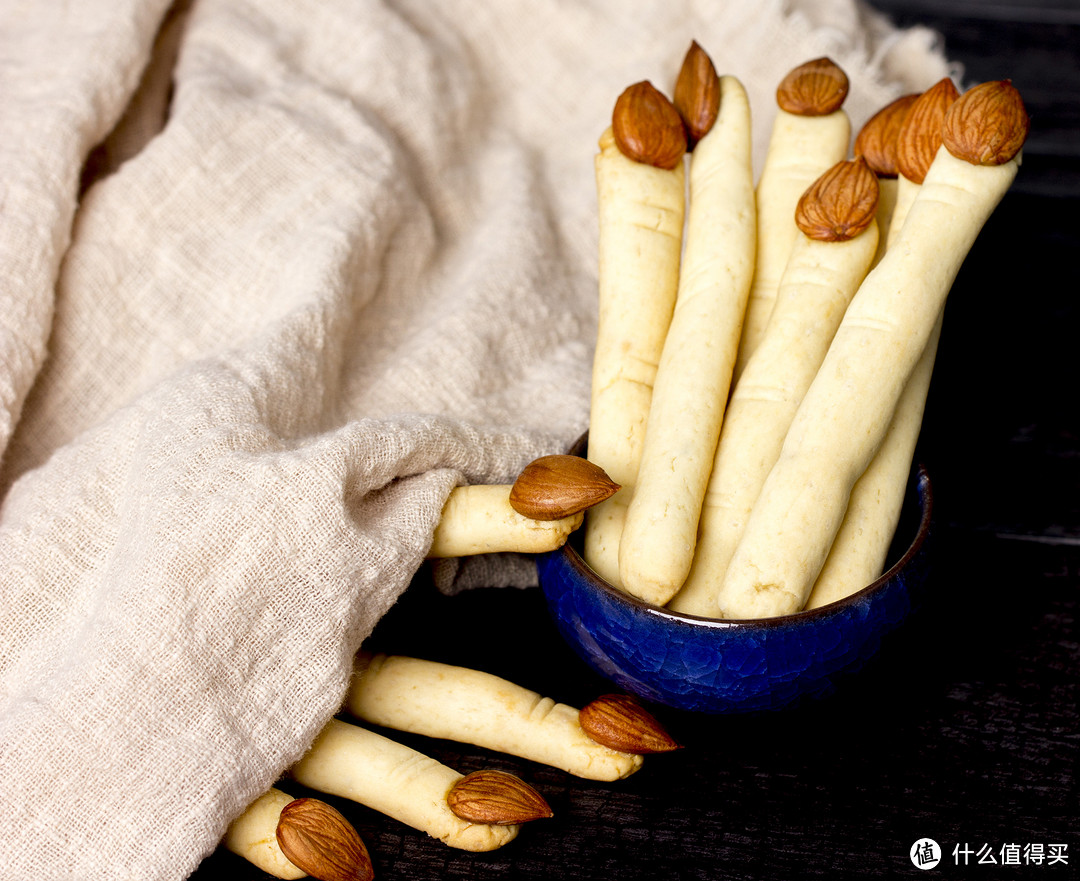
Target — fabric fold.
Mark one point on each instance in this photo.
(334, 258)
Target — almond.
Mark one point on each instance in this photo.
(697, 94)
(647, 127)
(840, 204)
(987, 125)
(876, 140)
(553, 487)
(620, 722)
(317, 839)
(496, 798)
(816, 88)
(920, 135)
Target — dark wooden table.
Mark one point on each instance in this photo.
(967, 729)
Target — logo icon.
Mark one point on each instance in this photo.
(925, 853)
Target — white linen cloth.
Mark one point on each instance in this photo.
(328, 259)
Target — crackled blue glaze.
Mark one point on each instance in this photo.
(715, 666)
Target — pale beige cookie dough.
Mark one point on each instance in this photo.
(694, 374)
(858, 554)
(351, 762)
(479, 519)
(471, 706)
(641, 209)
(603, 533)
(801, 148)
(859, 551)
(846, 412)
(819, 281)
(253, 835)
(918, 141)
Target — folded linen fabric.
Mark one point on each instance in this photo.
(278, 274)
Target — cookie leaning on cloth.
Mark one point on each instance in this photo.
(355, 763)
(253, 835)
(290, 838)
(535, 514)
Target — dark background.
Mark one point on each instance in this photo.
(966, 730)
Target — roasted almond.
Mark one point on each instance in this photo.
(557, 486)
(496, 798)
(647, 127)
(816, 88)
(317, 839)
(987, 125)
(840, 204)
(876, 140)
(697, 94)
(920, 134)
(620, 722)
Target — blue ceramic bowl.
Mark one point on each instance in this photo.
(736, 666)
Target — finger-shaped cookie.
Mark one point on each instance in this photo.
(810, 134)
(917, 143)
(641, 208)
(253, 835)
(862, 543)
(848, 408)
(859, 550)
(821, 277)
(394, 779)
(479, 519)
(471, 706)
(694, 374)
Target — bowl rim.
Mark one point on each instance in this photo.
(925, 492)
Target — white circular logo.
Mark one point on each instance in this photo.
(925, 853)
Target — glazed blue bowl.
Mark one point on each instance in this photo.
(737, 666)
